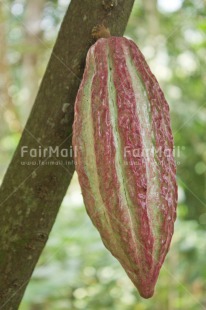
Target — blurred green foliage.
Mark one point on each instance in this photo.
(75, 270)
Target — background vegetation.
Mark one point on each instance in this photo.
(75, 271)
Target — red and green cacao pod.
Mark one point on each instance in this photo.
(124, 158)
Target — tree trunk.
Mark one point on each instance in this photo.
(31, 194)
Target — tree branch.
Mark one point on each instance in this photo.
(31, 194)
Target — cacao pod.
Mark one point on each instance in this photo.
(121, 115)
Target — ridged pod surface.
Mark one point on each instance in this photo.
(123, 148)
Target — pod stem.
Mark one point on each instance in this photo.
(100, 31)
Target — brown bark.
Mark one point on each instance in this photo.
(31, 195)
